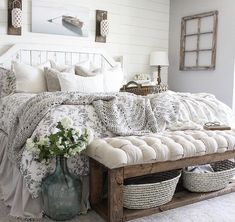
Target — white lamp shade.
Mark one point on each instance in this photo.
(159, 58)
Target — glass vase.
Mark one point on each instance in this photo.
(61, 193)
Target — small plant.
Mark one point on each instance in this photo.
(67, 141)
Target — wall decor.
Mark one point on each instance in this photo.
(198, 41)
(14, 17)
(59, 19)
(102, 26)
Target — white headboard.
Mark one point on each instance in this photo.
(38, 54)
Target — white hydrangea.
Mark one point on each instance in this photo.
(78, 131)
(30, 144)
(72, 152)
(75, 137)
(66, 155)
(67, 122)
(58, 143)
(61, 147)
(56, 130)
(44, 141)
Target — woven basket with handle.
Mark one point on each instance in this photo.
(207, 182)
(138, 89)
(150, 191)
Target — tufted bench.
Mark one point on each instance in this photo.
(120, 158)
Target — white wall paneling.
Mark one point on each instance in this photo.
(137, 27)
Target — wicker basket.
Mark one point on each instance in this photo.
(138, 89)
(152, 191)
(207, 182)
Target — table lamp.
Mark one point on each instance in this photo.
(159, 59)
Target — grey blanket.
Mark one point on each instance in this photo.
(122, 114)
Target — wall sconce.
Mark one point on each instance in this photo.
(102, 26)
(14, 17)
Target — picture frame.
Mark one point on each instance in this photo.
(198, 41)
(59, 19)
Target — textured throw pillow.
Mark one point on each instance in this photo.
(62, 68)
(113, 79)
(52, 80)
(86, 69)
(82, 84)
(30, 79)
(7, 82)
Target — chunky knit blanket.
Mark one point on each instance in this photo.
(122, 113)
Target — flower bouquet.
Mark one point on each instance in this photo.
(66, 141)
(61, 191)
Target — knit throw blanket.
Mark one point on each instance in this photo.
(122, 113)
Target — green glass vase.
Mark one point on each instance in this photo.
(61, 193)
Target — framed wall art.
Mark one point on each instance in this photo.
(198, 41)
(59, 18)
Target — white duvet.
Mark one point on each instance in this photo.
(197, 109)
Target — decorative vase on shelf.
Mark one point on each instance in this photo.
(61, 192)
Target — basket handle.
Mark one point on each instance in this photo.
(131, 83)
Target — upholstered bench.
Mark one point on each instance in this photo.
(120, 158)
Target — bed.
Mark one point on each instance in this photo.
(25, 115)
(24, 197)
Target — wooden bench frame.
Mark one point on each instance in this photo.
(112, 209)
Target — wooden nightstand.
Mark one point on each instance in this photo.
(139, 89)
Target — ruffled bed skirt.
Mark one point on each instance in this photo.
(15, 193)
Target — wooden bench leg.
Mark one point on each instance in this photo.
(96, 182)
(115, 195)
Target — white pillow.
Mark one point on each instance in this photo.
(62, 67)
(113, 79)
(82, 84)
(86, 69)
(30, 79)
(52, 79)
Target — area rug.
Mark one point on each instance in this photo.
(220, 209)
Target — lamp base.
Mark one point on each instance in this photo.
(157, 76)
(159, 80)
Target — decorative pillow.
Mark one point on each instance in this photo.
(30, 79)
(86, 69)
(52, 80)
(81, 84)
(113, 79)
(7, 82)
(62, 68)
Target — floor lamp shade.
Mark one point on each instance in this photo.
(159, 58)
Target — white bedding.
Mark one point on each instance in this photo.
(198, 109)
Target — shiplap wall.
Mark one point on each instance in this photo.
(137, 27)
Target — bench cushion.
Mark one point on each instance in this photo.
(169, 146)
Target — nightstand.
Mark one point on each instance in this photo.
(143, 90)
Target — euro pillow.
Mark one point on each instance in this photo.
(52, 80)
(7, 82)
(61, 67)
(113, 79)
(30, 79)
(82, 84)
(86, 69)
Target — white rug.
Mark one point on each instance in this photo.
(220, 209)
